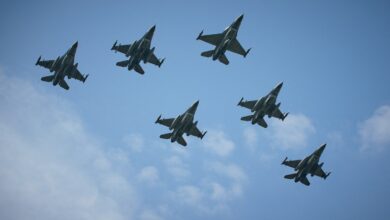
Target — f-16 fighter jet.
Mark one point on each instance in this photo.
(262, 107)
(227, 40)
(138, 51)
(182, 124)
(309, 165)
(62, 66)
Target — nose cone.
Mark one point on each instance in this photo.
(239, 19)
(150, 32)
(277, 89)
(237, 22)
(193, 108)
(320, 150)
(152, 28)
(75, 44)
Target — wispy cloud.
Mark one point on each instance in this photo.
(375, 131)
(292, 133)
(251, 137)
(217, 142)
(177, 168)
(134, 141)
(50, 167)
(149, 175)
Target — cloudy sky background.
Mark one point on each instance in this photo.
(94, 152)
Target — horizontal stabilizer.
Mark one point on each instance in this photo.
(223, 59)
(48, 78)
(305, 181)
(181, 141)
(290, 176)
(207, 53)
(166, 136)
(247, 118)
(63, 84)
(123, 63)
(139, 69)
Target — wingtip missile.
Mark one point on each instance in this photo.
(39, 59)
(203, 134)
(326, 176)
(200, 35)
(85, 78)
(114, 45)
(246, 53)
(284, 161)
(161, 62)
(284, 117)
(239, 103)
(158, 119)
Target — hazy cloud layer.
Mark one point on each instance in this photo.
(216, 141)
(292, 133)
(375, 131)
(50, 167)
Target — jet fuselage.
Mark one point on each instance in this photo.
(181, 125)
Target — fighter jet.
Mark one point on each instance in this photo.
(62, 66)
(309, 165)
(264, 106)
(138, 51)
(227, 40)
(182, 124)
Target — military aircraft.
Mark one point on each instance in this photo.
(138, 51)
(309, 165)
(264, 106)
(182, 124)
(62, 66)
(227, 40)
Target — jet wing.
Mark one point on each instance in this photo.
(45, 63)
(77, 75)
(248, 104)
(154, 60)
(194, 131)
(121, 48)
(277, 114)
(291, 163)
(320, 173)
(166, 122)
(236, 47)
(213, 39)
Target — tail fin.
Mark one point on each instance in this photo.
(64, 85)
(223, 59)
(208, 53)
(139, 69)
(166, 136)
(48, 78)
(290, 176)
(247, 118)
(181, 141)
(123, 63)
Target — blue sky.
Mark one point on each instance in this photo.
(94, 152)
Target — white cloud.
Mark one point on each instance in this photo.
(177, 168)
(189, 194)
(250, 137)
(231, 171)
(218, 143)
(150, 215)
(134, 141)
(292, 133)
(149, 175)
(375, 131)
(214, 192)
(50, 167)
